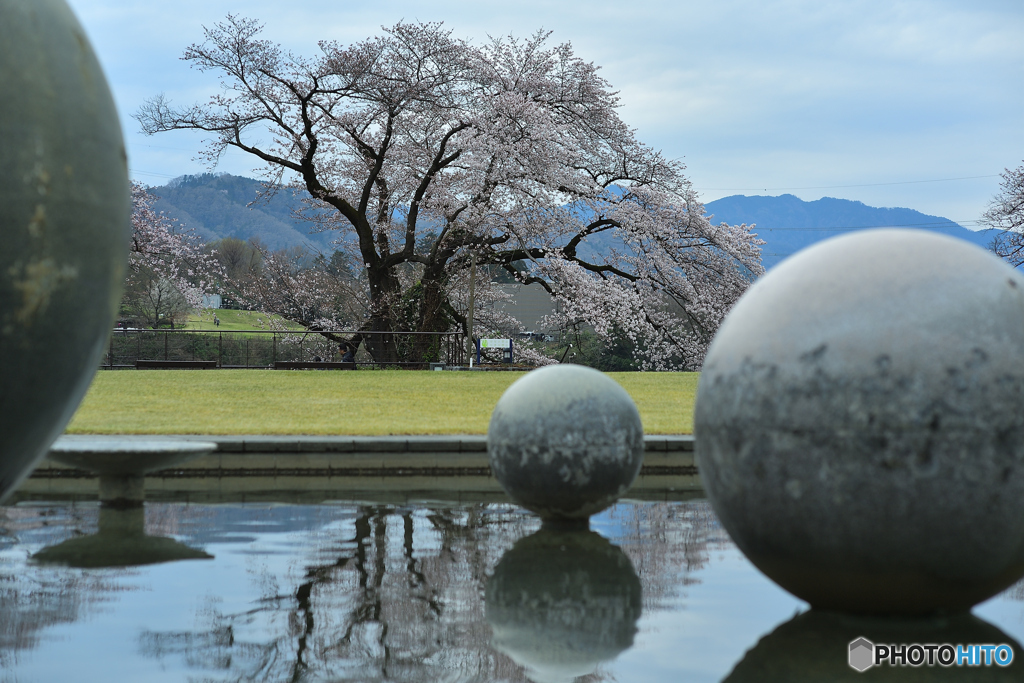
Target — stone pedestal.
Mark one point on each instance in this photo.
(122, 463)
(122, 490)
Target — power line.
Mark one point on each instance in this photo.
(840, 228)
(157, 175)
(832, 187)
(177, 149)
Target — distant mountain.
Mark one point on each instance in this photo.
(788, 224)
(216, 206)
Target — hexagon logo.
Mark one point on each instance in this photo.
(862, 654)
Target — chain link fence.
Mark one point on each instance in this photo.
(262, 348)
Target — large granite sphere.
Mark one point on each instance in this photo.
(860, 424)
(562, 602)
(64, 217)
(815, 646)
(565, 441)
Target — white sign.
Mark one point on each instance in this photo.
(495, 343)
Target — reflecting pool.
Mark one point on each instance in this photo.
(415, 592)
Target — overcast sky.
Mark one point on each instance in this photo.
(915, 103)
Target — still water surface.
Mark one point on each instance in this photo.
(428, 592)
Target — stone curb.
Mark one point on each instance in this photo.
(248, 455)
(458, 443)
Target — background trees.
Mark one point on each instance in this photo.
(319, 292)
(155, 301)
(237, 257)
(425, 153)
(168, 270)
(1006, 212)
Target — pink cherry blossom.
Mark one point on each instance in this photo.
(423, 153)
(169, 251)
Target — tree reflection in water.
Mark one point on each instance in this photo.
(368, 593)
(399, 595)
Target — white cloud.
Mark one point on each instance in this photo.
(784, 93)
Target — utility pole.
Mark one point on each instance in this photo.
(470, 346)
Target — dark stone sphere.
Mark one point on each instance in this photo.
(562, 602)
(860, 424)
(565, 441)
(815, 646)
(64, 217)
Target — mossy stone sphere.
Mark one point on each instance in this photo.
(64, 217)
(860, 424)
(565, 441)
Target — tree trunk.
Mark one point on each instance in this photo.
(432, 318)
(377, 333)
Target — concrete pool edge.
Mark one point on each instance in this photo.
(384, 453)
(446, 443)
(314, 468)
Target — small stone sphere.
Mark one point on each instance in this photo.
(565, 441)
(64, 217)
(859, 424)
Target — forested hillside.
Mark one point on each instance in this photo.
(218, 206)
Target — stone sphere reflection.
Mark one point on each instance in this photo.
(565, 441)
(64, 217)
(813, 647)
(859, 424)
(562, 602)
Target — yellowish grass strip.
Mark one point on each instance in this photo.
(336, 402)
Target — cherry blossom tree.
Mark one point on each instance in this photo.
(1006, 212)
(320, 294)
(165, 257)
(425, 153)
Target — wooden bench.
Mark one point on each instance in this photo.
(168, 364)
(312, 365)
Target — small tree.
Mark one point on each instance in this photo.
(237, 257)
(156, 301)
(1006, 213)
(427, 153)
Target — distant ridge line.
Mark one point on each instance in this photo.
(788, 224)
(831, 187)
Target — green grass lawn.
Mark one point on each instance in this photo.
(336, 402)
(233, 321)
